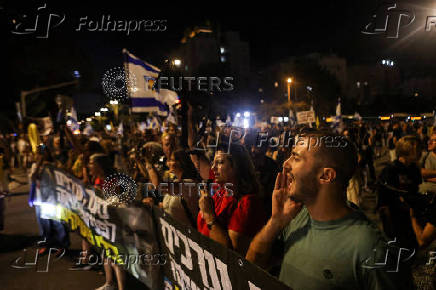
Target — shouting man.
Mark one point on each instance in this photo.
(323, 242)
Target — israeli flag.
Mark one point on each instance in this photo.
(143, 95)
(153, 123)
(120, 129)
(72, 120)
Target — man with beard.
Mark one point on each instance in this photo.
(324, 243)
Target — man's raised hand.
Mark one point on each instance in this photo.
(283, 208)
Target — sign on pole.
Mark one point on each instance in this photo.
(305, 117)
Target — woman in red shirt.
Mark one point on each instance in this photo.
(234, 214)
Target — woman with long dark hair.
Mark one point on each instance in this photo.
(234, 214)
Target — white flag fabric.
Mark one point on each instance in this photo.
(88, 130)
(337, 124)
(120, 129)
(142, 126)
(168, 97)
(172, 118)
(357, 116)
(144, 96)
(73, 113)
(434, 119)
(72, 120)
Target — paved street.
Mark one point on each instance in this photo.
(21, 232)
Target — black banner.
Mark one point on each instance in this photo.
(152, 246)
(197, 262)
(127, 235)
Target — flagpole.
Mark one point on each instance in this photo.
(126, 70)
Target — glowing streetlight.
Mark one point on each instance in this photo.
(177, 62)
(289, 81)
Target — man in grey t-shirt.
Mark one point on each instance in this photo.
(322, 241)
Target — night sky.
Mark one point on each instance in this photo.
(274, 30)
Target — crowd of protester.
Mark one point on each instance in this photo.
(291, 210)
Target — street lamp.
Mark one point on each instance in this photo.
(289, 81)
